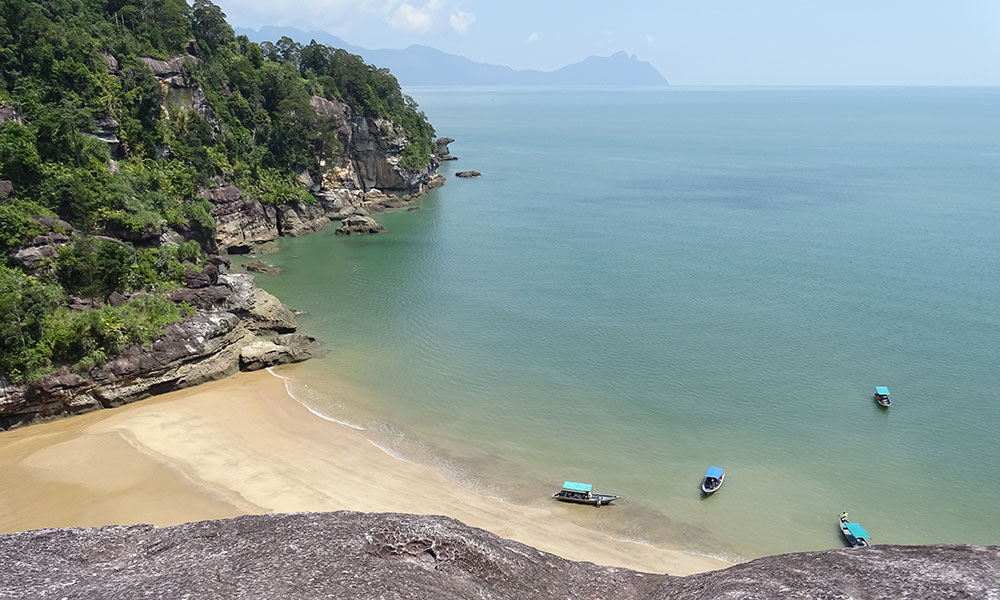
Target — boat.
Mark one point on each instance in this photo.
(713, 480)
(855, 534)
(583, 493)
(882, 396)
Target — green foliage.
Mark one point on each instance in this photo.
(85, 339)
(96, 268)
(68, 65)
(25, 303)
(16, 223)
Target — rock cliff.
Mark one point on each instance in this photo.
(235, 327)
(361, 555)
(367, 178)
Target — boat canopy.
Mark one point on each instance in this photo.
(857, 530)
(713, 472)
(882, 391)
(573, 486)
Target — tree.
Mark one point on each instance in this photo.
(210, 26)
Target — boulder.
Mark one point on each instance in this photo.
(468, 174)
(194, 279)
(259, 266)
(359, 225)
(6, 188)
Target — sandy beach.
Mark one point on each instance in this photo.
(243, 445)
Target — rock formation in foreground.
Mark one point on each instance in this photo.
(368, 555)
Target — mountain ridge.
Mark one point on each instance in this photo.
(418, 64)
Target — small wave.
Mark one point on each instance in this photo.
(288, 390)
(327, 417)
(271, 371)
(389, 451)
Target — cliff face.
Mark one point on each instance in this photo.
(367, 178)
(236, 326)
(359, 555)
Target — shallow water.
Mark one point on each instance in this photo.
(645, 283)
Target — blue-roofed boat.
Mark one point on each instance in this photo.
(583, 493)
(854, 533)
(882, 396)
(713, 480)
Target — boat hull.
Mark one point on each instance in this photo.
(883, 402)
(596, 500)
(711, 490)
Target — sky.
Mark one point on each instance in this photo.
(691, 42)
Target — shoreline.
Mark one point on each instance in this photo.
(243, 445)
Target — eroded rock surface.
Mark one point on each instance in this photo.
(370, 555)
(359, 225)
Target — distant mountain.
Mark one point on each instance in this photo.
(423, 65)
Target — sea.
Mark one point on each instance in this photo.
(646, 282)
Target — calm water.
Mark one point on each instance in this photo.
(646, 283)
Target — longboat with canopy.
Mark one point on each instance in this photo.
(882, 396)
(583, 493)
(854, 533)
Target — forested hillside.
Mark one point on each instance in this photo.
(98, 161)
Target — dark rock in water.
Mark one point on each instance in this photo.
(359, 225)
(441, 149)
(413, 209)
(345, 555)
(259, 266)
(468, 174)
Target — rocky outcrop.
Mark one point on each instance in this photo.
(359, 225)
(10, 113)
(468, 174)
(241, 223)
(179, 91)
(367, 178)
(6, 188)
(235, 326)
(55, 234)
(106, 130)
(345, 555)
(441, 149)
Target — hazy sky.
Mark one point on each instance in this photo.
(691, 42)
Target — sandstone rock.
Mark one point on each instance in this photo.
(32, 257)
(350, 555)
(6, 188)
(441, 149)
(170, 68)
(359, 225)
(194, 279)
(241, 223)
(259, 266)
(468, 174)
(10, 113)
(109, 58)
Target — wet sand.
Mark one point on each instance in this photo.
(242, 446)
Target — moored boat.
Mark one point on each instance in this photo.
(854, 533)
(713, 480)
(583, 493)
(882, 396)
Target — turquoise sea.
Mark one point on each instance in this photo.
(648, 282)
